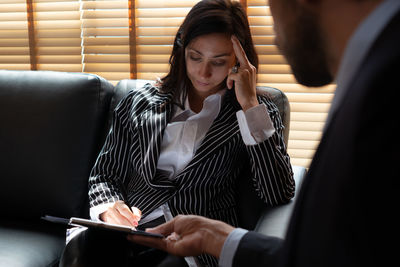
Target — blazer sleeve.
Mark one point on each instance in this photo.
(270, 163)
(256, 249)
(112, 164)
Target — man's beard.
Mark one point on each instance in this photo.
(306, 53)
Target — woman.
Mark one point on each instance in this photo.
(178, 147)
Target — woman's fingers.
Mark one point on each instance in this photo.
(239, 52)
(112, 215)
(244, 77)
(242, 62)
(121, 214)
(127, 213)
(137, 213)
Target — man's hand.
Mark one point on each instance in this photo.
(188, 235)
(121, 214)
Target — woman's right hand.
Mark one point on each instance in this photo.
(121, 214)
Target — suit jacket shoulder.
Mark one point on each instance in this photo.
(143, 97)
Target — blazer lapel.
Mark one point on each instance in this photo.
(154, 120)
(224, 127)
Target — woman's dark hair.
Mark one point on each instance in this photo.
(206, 17)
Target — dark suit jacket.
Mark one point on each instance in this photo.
(345, 213)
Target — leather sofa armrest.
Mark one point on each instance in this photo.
(275, 220)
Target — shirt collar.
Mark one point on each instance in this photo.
(359, 45)
(211, 101)
(211, 98)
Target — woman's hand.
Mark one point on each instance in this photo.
(188, 235)
(121, 214)
(245, 78)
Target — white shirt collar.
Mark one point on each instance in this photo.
(211, 101)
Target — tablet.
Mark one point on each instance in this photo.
(74, 221)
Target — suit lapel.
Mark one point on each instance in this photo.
(154, 120)
(223, 128)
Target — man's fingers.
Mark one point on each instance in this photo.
(158, 243)
(165, 229)
(166, 243)
(239, 52)
(171, 244)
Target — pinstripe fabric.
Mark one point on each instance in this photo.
(126, 167)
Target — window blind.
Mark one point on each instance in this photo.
(58, 35)
(14, 35)
(121, 39)
(106, 36)
(157, 24)
(105, 31)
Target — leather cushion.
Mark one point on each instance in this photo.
(30, 245)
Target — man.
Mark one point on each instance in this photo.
(344, 215)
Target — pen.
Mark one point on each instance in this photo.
(125, 196)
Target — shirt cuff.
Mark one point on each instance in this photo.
(99, 209)
(255, 124)
(230, 246)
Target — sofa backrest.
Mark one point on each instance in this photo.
(52, 126)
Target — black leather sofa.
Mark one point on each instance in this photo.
(52, 126)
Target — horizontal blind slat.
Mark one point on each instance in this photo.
(58, 35)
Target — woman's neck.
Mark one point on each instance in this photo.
(196, 99)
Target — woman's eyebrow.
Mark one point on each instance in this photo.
(223, 55)
(219, 55)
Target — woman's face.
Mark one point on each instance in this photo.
(208, 60)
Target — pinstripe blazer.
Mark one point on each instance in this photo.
(126, 166)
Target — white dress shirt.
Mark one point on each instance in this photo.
(356, 50)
